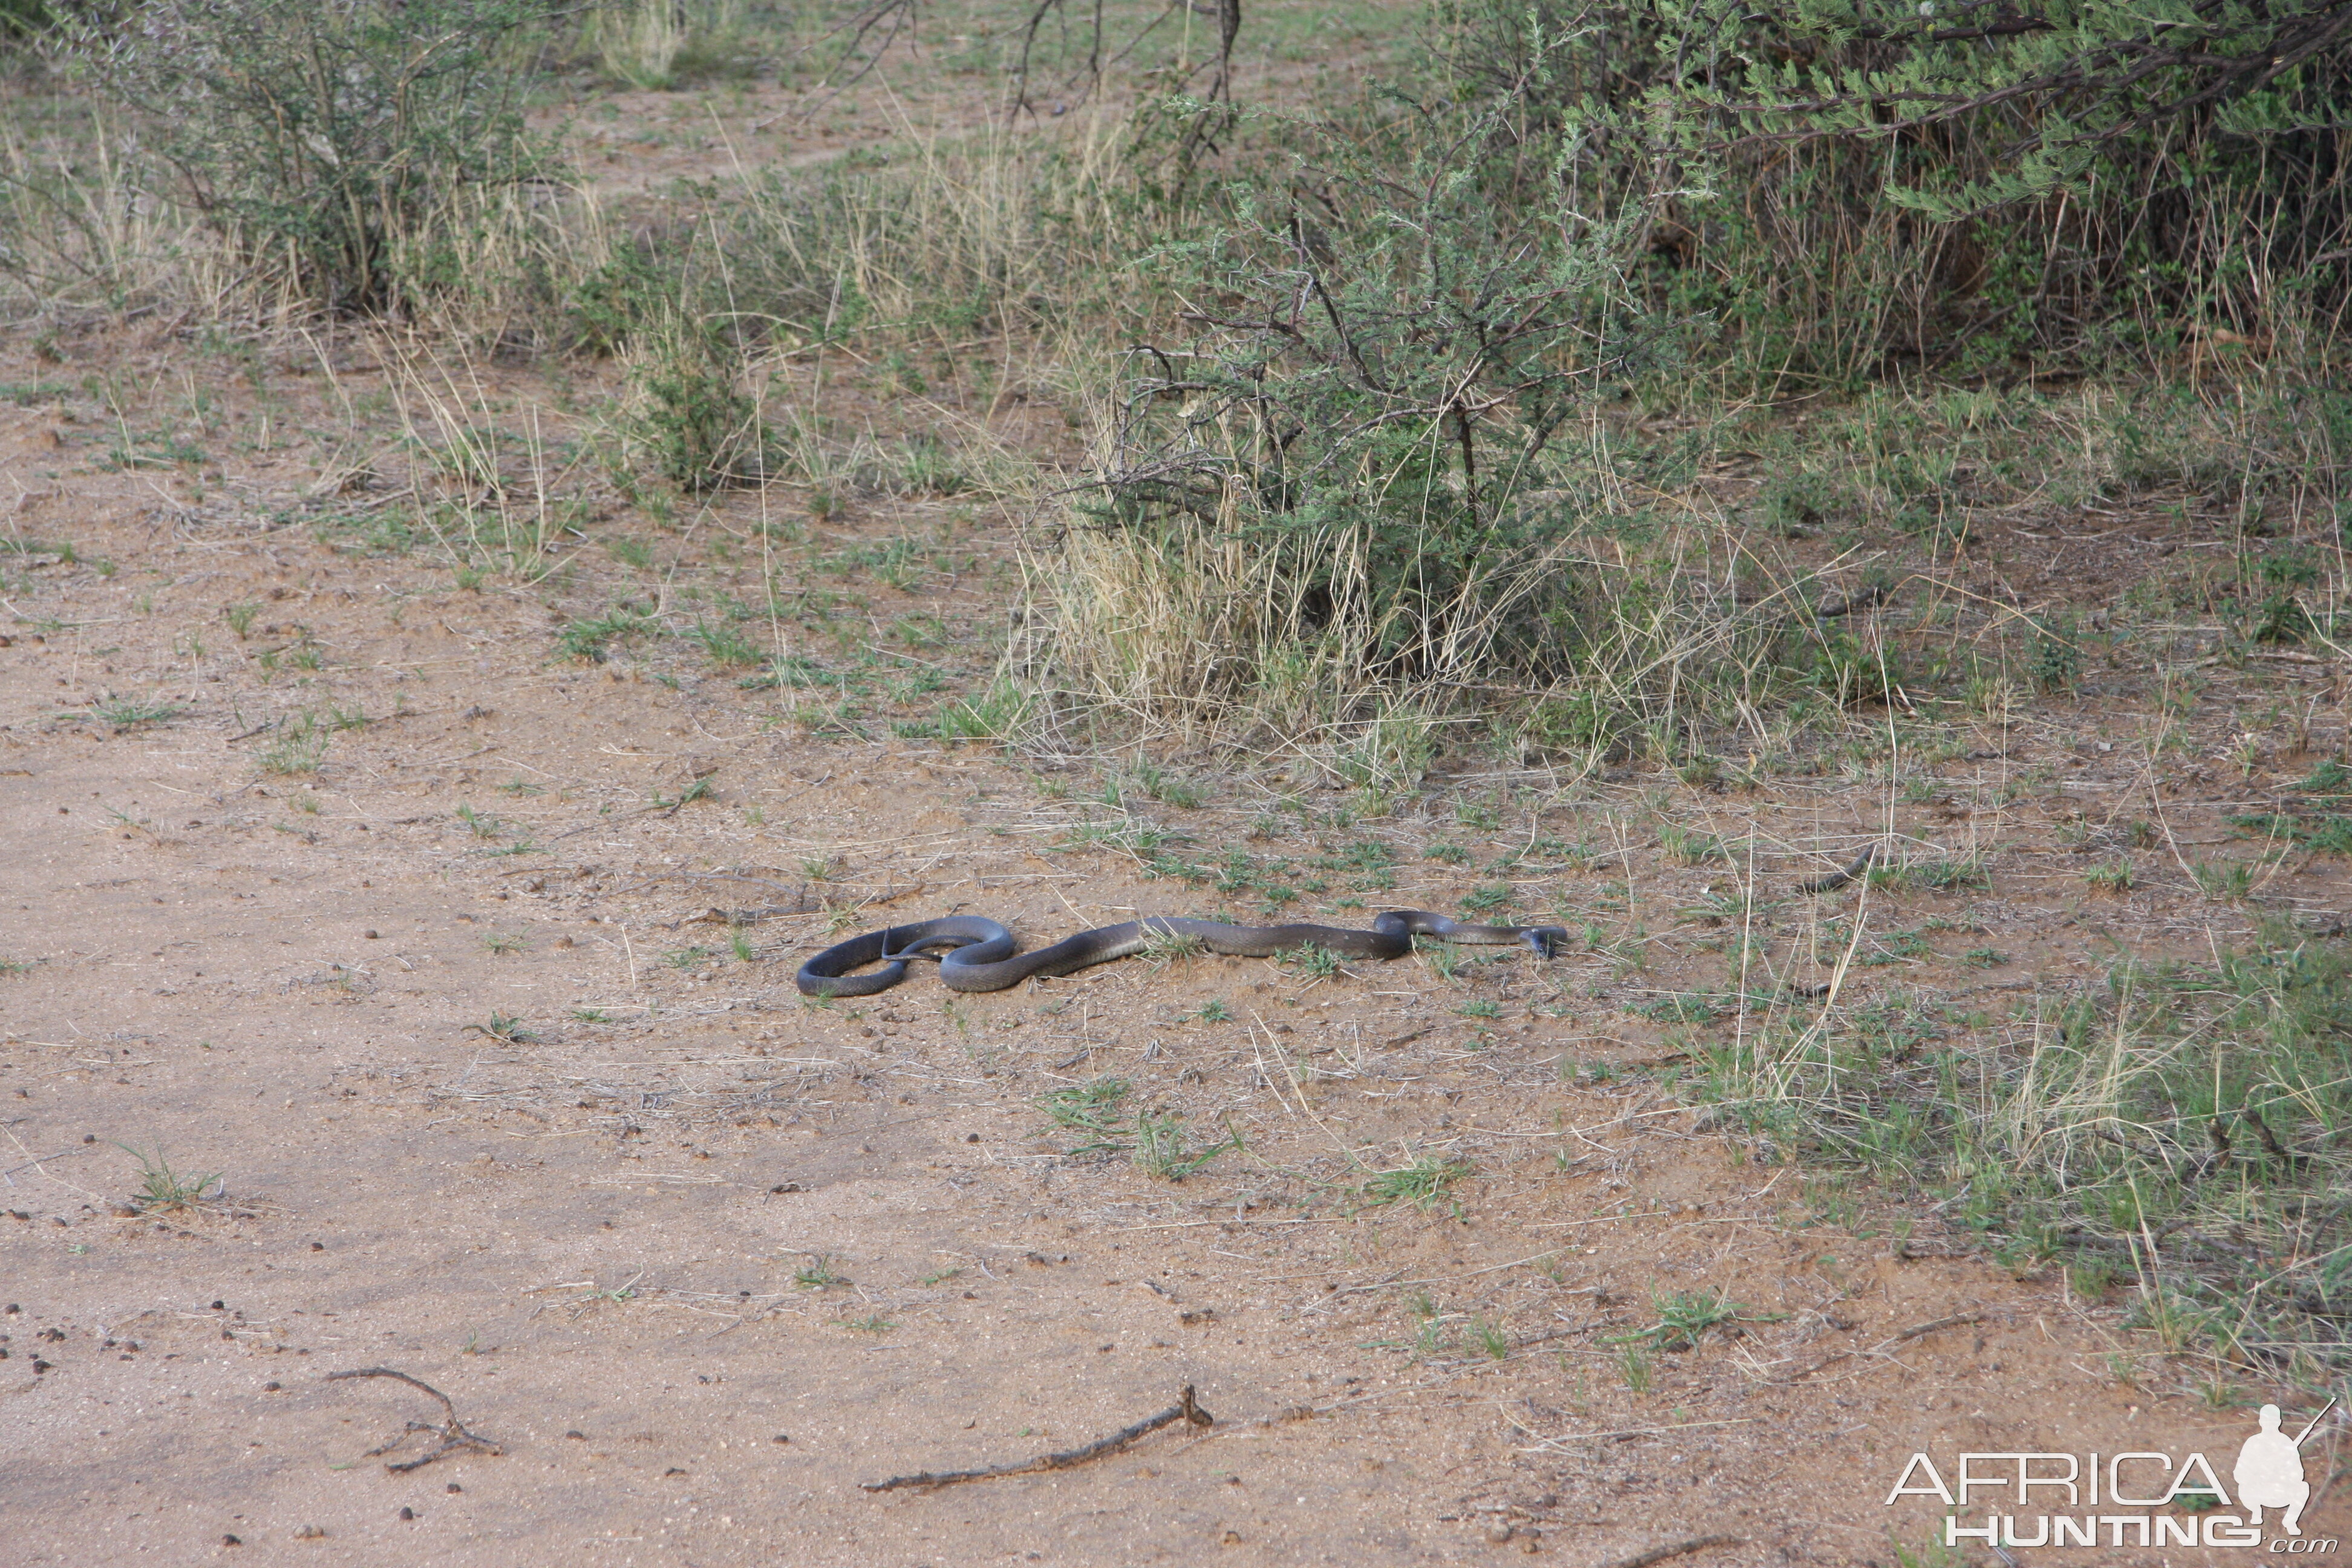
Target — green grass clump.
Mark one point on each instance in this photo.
(819, 1274)
(299, 746)
(1096, 1112)
(2322, 821)
(127, 713)
(591, 638)
(163, 1188)
(1093, 1111)
(1941, 875)
(2196, 1104)
(1425, 1183)
(725, 644)
(1684, 1317)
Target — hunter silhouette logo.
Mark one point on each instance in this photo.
(2270, 1471)
(2135, 1499)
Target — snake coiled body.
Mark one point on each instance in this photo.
(978, 954)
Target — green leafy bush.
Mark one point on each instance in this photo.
(1847, 187)
(1325, 499)
(700, 428)
(336, 146)
(22, 19)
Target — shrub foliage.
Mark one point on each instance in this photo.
(334, 145)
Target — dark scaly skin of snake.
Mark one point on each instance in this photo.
(978, 954)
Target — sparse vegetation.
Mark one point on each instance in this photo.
(1096, 1112)
(160, 1188)
(1424, 1182)
(129, 713)
(819, 1274)
(2178, 1100)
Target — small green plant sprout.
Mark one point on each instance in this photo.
(505, 1027)
(875, 1324)
(300, 746)
(2219, 1394)
(1446, 854)
(1680, 846)
(591, 1016)
(1488, 900)
(2230, 881)
(819, 1274)
(816, 867)
(1685, 1316)
(1702, 772)
(165, 1189)
(1425, 1183)
(501, 941)
(519, 787)
(1483, 1007)
(1634, 1362)
(1093, 1111)
(2057, 662)
(698, 790)
(1175, 791)
(1213, 1011)
(1984, 958)
(127, 713)
(725, 645)
(590, 639)
(480, 823)
(2110, 877)
(609, 1296)
(740, 940)
(941, 1277)
(240, 618)
(1159, 1147)
(1938, 876)
(1489, 1339)
(1443, 958)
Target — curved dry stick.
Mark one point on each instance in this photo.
(454, 1435)
(1186, 1409)
(1660, 1554)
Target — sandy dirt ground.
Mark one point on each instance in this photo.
(464, 966)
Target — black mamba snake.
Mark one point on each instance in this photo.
(978, 954)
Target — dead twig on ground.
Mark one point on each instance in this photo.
(1675, 1548)
(1916, 1331)
(29, 1165)
(1186, 1409)
(799, 890)
(455, 1437)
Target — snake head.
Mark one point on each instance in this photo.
(1549, 942)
